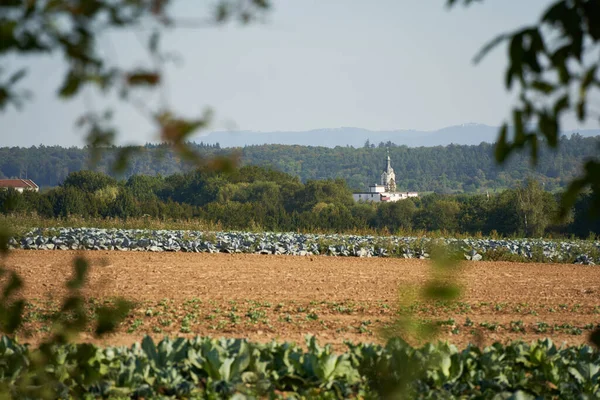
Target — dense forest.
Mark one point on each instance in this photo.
(441, 169)
(254, 197)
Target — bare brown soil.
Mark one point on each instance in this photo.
(336, 299)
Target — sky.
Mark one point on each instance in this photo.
(382, 65)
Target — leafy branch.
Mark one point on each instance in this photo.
(554, 65)
(30, 28)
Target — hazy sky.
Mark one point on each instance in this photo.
(381, 65)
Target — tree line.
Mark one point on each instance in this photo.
(254, 197)
(441, 169)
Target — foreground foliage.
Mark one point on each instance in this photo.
(546, 61)
(218, 368)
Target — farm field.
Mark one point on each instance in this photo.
(336, 299)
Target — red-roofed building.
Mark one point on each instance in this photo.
(19, 185)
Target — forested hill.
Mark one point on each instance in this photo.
(442, 169)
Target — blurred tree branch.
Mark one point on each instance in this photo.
(73, 29)
(554, 66)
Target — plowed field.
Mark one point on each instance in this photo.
(336, 299)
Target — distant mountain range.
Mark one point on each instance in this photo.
(465, 134)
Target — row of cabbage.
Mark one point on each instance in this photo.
(236, 368)
(582, 252)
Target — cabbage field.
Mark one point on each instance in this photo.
(238, 369)
(538, 250)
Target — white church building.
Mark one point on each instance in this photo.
(386, 191)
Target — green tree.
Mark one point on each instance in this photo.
(474, 213)
(89, 181)
(125, 206)
(535, 207)
(364, 215)
(144, 187)
(503, 216)
(440, 214)
(69, 201)
(396, 215)
(11, 201)
(324, 191)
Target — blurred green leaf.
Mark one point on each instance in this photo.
(73, 317)
(581, 110)
(123, 157)
(591, 10)
(224, 164)
(17, 76)
(590, 178)
(71, 85)
(72, 302)
(12, 316)
(5, 236)
(438, 290)
(153, 42)
(548, 126)
(502, 148)
(589, 77)
(518, 127)
(176, 130)
(142, 77)
(543, 87)
(80, 269)
(451, 3)
(561, 104)
(110, 317)
(489, 47)
(515, 57)
(595, 338)
(15, 283)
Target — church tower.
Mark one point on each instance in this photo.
(388, 177)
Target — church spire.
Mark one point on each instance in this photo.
(389, 162)
(388, 177)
